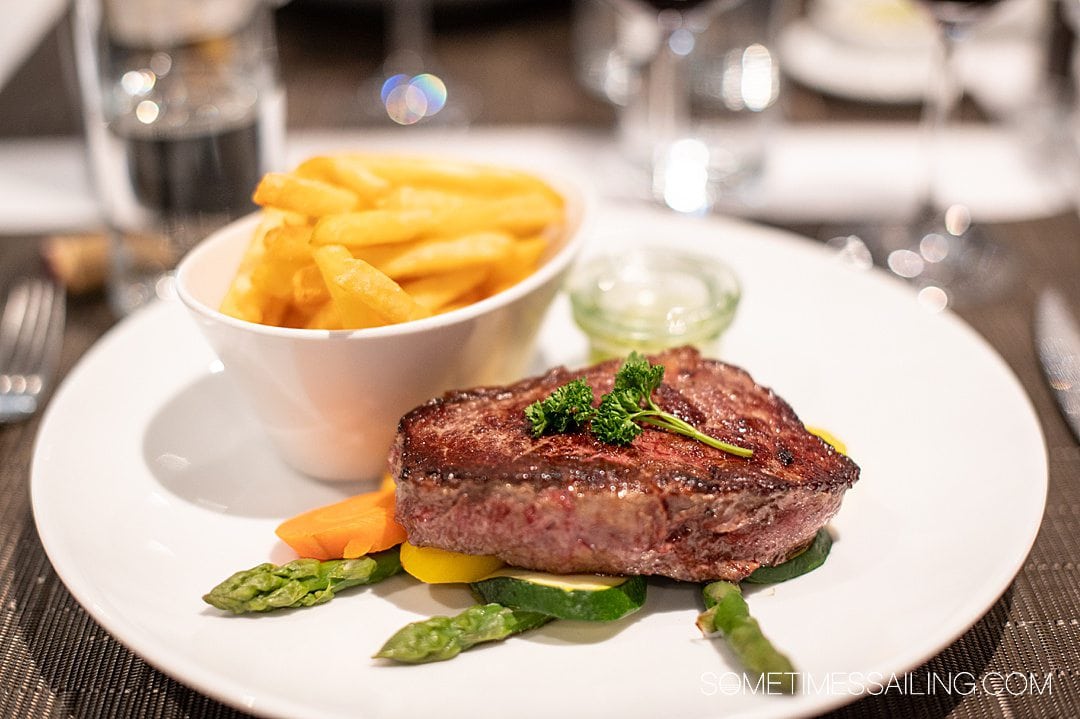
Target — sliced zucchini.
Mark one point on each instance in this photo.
(587, 597)
(805, 561)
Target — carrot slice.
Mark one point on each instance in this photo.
(350, 528)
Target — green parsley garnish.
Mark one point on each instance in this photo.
(566, 409)
(622, 411)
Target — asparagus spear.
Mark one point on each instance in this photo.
(300, 583)
(726, 612)
(441, 638)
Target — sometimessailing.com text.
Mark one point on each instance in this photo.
(1014, 683)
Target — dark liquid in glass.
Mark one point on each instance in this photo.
(214, 171)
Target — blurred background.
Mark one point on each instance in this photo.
(516, 54)
(842, 71)
(522, 60)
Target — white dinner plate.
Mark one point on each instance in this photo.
(151, 483)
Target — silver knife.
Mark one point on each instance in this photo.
(1057, 339)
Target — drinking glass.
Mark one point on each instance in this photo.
(942, 250)
(699, 118)
(608, 43)
(183, 112)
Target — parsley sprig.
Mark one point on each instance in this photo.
(622, 411)
(566, 409)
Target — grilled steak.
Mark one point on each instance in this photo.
(471, 478)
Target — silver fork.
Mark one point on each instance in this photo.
(31, 333)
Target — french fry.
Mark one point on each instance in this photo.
(360, 291)
(521, 215)
(326, 317)
(372, 227)
(289, 243)
(437, 291)
(286, 252)
(296, 317)
(347, 173)
(464, 301)
(454, 176)
(440, 255)
(408, 197)
(522, 260)
(308, 289)
(243, 300)
(288, 217)
(354, 240)
(306, 196)
(273, 309)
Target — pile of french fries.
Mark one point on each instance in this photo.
(353, 240)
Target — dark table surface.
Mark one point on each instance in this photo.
(56, 662)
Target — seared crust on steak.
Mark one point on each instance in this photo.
(471, 478)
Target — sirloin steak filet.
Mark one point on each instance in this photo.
(471, 478)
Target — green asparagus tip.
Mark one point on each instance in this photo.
(299, 583)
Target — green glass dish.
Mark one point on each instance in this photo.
(650, 299)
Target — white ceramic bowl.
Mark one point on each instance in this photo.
(331, 400)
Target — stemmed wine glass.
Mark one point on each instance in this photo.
(942, 250)
(410, 90)
(659, 116)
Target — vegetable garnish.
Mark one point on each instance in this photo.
(441, 638)
(805, 560)
(584, 597)
(566, 409)
(726, 612)
(300, 583)
(347, 529)
(432, 565)
(829, 438)
(622, 411)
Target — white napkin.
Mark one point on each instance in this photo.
(22, 26)
(44, 187)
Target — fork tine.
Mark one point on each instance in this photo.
(34, 356)
(48, 332)
(31, 335)
(11, 322)
(22, 356)
(54, 335)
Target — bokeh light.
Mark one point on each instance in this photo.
(906, 263)
(933, 298)
(410, 99)
(138, 82)
(390, 84)
(147, 112)
(759, 78)
(685, 176)
(434, 90)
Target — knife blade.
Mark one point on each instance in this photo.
(1057, 337)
